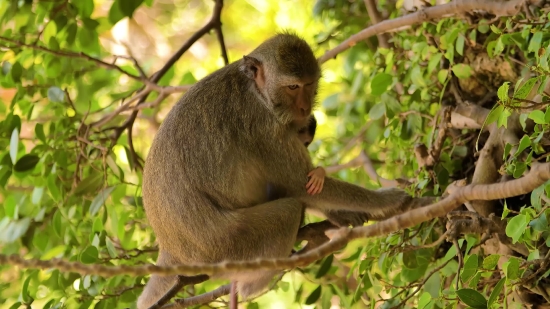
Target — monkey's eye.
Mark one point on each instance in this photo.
(293, 87)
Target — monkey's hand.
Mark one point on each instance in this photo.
(316, 181)
(344, 218)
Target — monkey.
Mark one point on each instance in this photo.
(316, 177)
(231, 134)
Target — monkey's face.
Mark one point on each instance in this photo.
(286, 74)
(293, 100)
(305, 137)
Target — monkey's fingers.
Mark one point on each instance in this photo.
(316, 186)
(310, 182)
(321, 184)
(311, 190)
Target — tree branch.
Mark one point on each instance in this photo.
(212, 23)
(537, 176)
(457, 7)
(64, 53)
(200, 299)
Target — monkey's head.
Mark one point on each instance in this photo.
(286, 74)
(307, 133)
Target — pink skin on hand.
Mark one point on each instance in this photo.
(316, 181)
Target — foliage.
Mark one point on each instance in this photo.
(69, 169)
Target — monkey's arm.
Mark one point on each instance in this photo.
(379, 204)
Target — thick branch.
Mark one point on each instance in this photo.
(538, 175)
(457, 7)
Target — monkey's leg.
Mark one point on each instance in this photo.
(160, 289)
(265, 231)
(377, 204)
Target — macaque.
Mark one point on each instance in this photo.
(228, 137)
(317, 175)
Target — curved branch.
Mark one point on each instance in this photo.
(457, 7)
(537, 176)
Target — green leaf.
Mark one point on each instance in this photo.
(54, 67)
(516, 227)
(49, 32)
(483, 26)
(417, 78)
(10, 207)
(91, 24)
(442, 75)
(511, 268)
(39, 132)
(25, 290)
(15, 229)
(460, 45)
(127, 7)
(57, 223)
(16, 72)
(53, 187)
(495, 29)
(503, 92)
(380, 83)
(499, 47)
(55, 94)
(325, 266)
(252, 305)
(472, 298)
(14, 145)
(89, 255)
(110, 248)
(409, 259)
(526, 88)
(314, 296)
(89, 184)
(377, 111)
(434, 62)
(491, 261)
(503, 118)
(523, 144)
(462, 70)
(537, 116)
(494, 114)
(100, 199)
(53, 252)
(535, 43)
(115, 14)
(26, 163)
(85, 7)
(424, 300)
(496, 292)
(470, 267)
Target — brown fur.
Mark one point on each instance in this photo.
(231, 134)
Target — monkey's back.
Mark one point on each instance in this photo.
(202, 159)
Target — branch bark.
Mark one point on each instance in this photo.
(537, 176)
(457, 7)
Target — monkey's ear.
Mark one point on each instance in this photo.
(253, 69)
